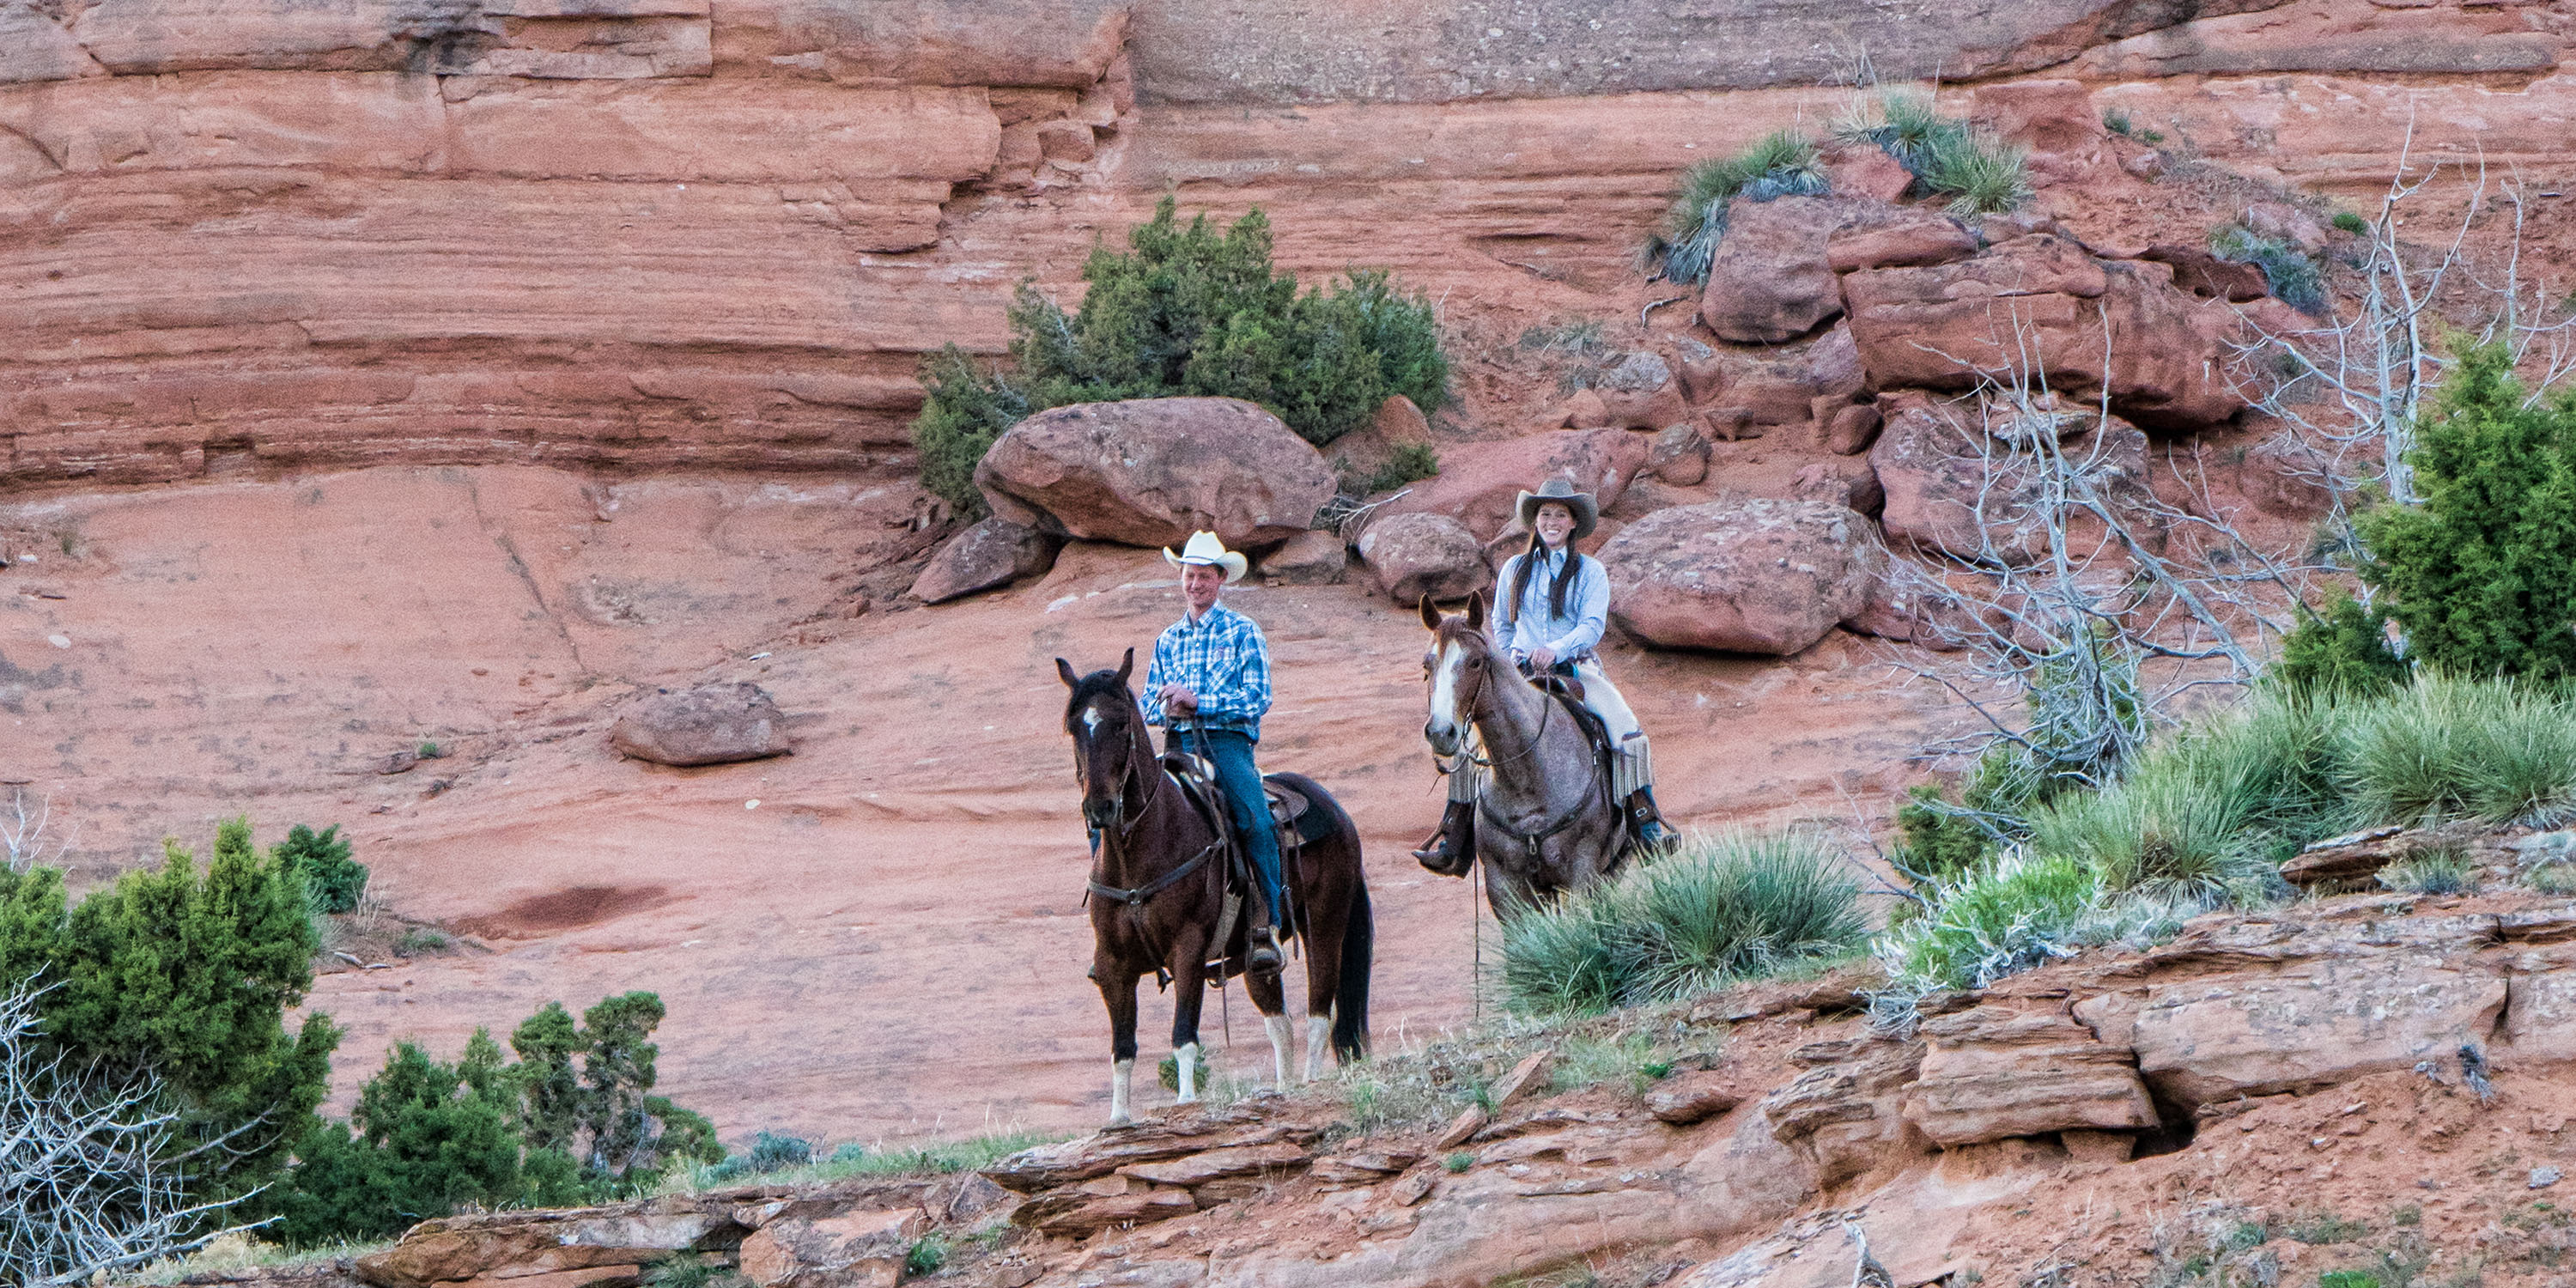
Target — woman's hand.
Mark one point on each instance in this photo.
(1542, 658)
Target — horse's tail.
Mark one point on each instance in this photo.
(1350, 992)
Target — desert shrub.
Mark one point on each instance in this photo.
(1725, 906)
(2119, 122)
(2008, 917)
(1408, 463)
(2432, 874)
(2445, 748)
(2346, 221)
(2342, 648)
(571, 1120)
(2482, 574)
(2082, 721)
(332, 879)
(1781, 164)
(927, 1254)
(184, 976)
(1186, 310)
(1457, 1164)
(2554, 878)
(2293, 277)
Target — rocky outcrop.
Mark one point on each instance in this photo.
(1151, 471)
(712, 724)
(1754, 576)
(1991, 1072)
(1413, 555)
(993, 552)
(861, 1249)
(2040, 305)
(1309, 559)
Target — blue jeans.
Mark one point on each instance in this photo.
(1231, 753)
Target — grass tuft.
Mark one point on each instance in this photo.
(1725, 906)
(2444, 748)
(1782, 164)
(2293, 277)
(1981, 174)
(1408, 463)
(2434, 874)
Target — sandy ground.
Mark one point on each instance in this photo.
(879, 937)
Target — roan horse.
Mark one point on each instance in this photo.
(1157, 895)
(1546, 822)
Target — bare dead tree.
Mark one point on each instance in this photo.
(2073, 605)
(2376, 365)
(24, 838)
(92, 1175)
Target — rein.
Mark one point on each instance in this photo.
(1532, 839)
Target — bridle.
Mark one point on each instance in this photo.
(1475, 696)
(1120, 819)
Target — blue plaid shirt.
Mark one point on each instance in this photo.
(1222, 658)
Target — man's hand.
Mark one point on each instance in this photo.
(1542, 658)
(1178, 699)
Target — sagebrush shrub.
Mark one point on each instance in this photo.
(2294, 278)
(1186, 310)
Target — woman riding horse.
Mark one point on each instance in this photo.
(1552, 607)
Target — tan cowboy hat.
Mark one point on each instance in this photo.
(1560, 491)
(1206, 548)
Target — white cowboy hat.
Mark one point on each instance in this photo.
(1560, 491)
(1206, 548)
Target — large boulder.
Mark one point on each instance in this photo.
(2040, 304)
(1479, 482)
(1769, 281)
(2054, 119)
(1309, 559)
(1960, 477)
(994, 552)
(1755, 576)
(1414, 555)
(1150, 471)
(711, 724)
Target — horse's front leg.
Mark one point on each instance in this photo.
(1118, 992)
(1269, 996)
(1189, 987)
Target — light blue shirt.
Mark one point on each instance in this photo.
(1528, 625)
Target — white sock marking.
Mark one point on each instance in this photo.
(1121, 1072)
(1188, 1059)
(1318, 1028)
(1277, 1027)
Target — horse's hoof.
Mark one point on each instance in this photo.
(1187, 1100)
(1121, 1120)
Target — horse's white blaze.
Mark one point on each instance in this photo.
(1091, 720)
(1187, 1058)
(1318, 1028)
(1444, 690)
(1277, 1027)
(1121, 1072)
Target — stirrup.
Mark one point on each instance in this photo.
(1264, 944)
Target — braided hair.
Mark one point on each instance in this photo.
(1556, 585)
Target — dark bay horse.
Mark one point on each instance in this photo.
(1547, 821)
(1158, 862)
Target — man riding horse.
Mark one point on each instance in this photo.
(1550, 609)
(1209, 686)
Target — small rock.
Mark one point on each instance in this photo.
(1469, 1121)
(1415, 1187)
(2146, 165)
(1680, 456)
(1585, 410)
(59, 641)
(709, 725)
(1852, 430)
(1690, 1097)
(994, 552)
(2542, 1178)
(1526, 1079)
